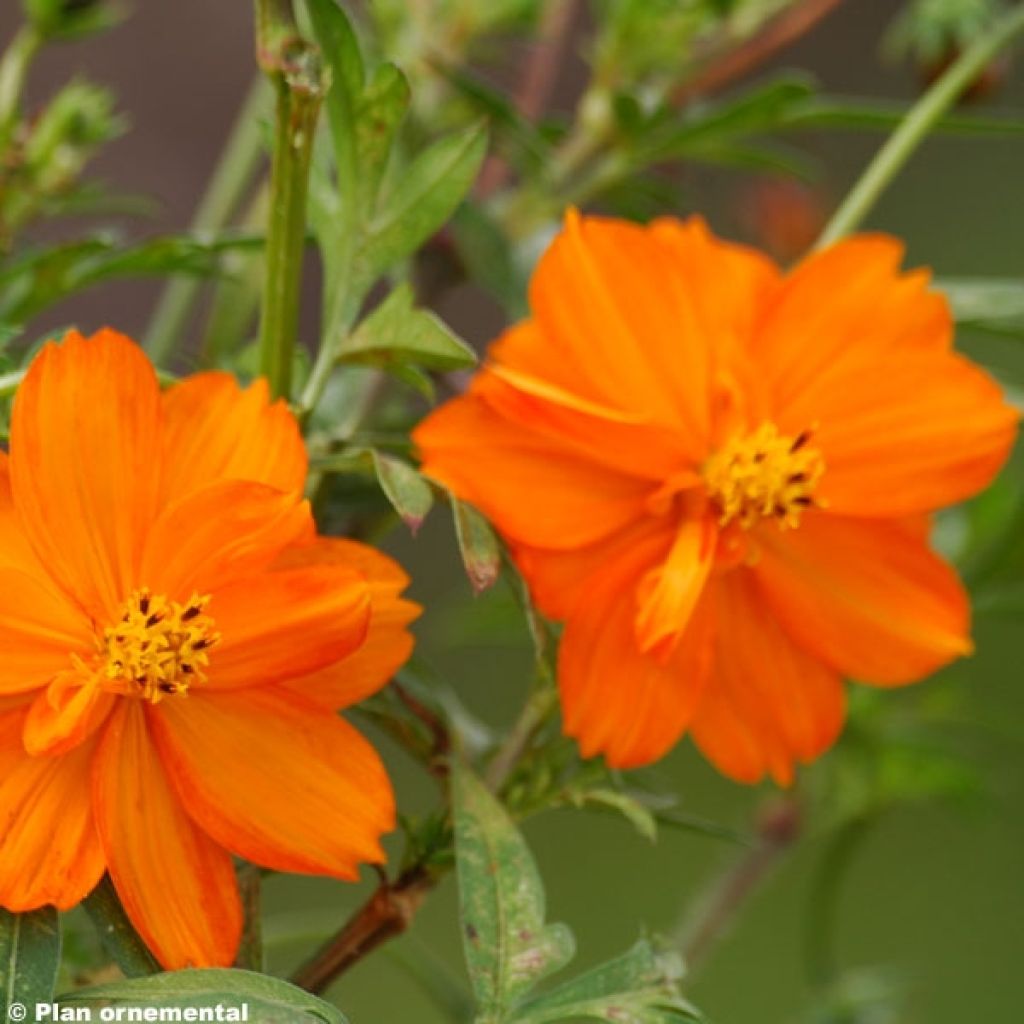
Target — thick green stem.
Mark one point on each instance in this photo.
(250, 949)
(116, 932)
(231, 180)
(294, 69)
(915, 126)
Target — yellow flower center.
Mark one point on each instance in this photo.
(763, 475)
(158, 648)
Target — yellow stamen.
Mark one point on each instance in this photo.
(158, 648)
(764, 475)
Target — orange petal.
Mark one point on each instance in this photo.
(866, 596)
(388, 642)
(616, 304)
(277, 780)
(768, 704)
(176, 885)
(280, 625)
(838, 304)
(629, 706)
(908, 435)
(68, 711)
(85, 463)
(219, 534)
(39, 630)
(668, 593)
(50, 852)
(536, 490)
(15, 549)
(215, 430)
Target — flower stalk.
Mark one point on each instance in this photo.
(900, 146)
(294, 69)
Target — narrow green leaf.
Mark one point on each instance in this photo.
(481, 553)
(639, 816)
(381, 109)
(639, 987)
(508, 946)
(268, 1000)
(426, 195)
(340, 48)
(396, 333)
(407, 491)
(116, 932)
(992, 303)
(29, 960)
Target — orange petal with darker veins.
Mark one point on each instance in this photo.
(220, 534)
(216, 430)
(39, 630)
(870, 598)
(50, 852)
(176, 884)
(616, 701)
(279, 625)
(388, 642)
(538, 491)
(907, 436)
(85, 463)
(70, 709)
(768, 704)
(277, 780)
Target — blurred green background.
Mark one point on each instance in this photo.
(934, 894)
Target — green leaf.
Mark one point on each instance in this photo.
(481, 553)
(407, 491)
(117, 933)
(269, 1000)
(508, 946)
(29, 959)
(380, 111)
(639, 987)
(426, 195)
(639, 816)
(396, 333)
(995, 304)
(340, 48)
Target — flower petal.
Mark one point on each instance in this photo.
(908, 435)
(220, 534)
(844, 302)
(50, 852)
(768, 703)
(280, 625)
(15, 549)
(39, 631)
(215, 430)
(388, 642)
(866, 596)
(176, 885)
(68, 711)
(631, 707)
(279, 781)
(85, 463)
(535, 489)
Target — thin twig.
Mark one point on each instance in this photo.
(782, 30)
(538, 81)
(386, 914)
(778, 830)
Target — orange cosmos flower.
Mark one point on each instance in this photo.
(176, 640)
(719, 477)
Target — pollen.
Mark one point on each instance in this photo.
(159, 648)
(764, 475)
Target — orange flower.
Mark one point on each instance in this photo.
(176, 640)
(719, 477)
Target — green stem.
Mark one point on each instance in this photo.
(250, 949)
(119, 938)
(293, 67)
(899, 147)
(13, 71)
(823, 903)
(231, 180)
(539, 706)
